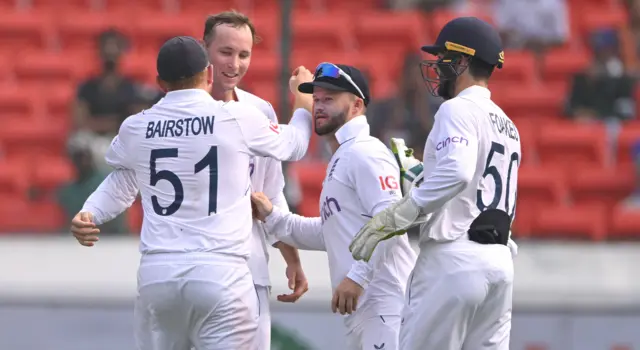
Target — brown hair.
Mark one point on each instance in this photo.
(232, 18)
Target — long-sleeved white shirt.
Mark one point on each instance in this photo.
(361, 180)
(471, 160)
(191, 158)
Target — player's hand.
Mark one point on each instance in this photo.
(298, 76)
(297, 283)
(261, 206)
(84, 229)
(345, 298)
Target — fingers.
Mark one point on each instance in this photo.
(84, 229)
(334, 302)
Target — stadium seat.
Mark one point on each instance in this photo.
(528, 131)
(572, 145)
(311, 32)
(629, 136)
(79, 31)
(438, 19)
(571, 222)
(201, 7)
(12, 215)
(534, 102)
(562, 63)
(52, 172)
(140, 6)
(519, 68)
(26, 139)
(20, 31)
(311, 59)
(135, 215)
(265, 69)
(138, 67)
(148, 33)
(398, 32)
(45, 69)
(310, 175)
(592, 185)
(600, 17)
(16, 103)
(14, 178)
(625, 222)
(58, 104)
(58, 7)
(268, 90)
(50, 217)
(268, 32)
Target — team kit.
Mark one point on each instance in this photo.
(206, 161)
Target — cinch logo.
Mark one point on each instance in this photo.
(456, 139)
(327, 208)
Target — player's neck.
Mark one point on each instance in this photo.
(221, 94)
(465, 85)
(333, 143)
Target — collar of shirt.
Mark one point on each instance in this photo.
(352, 128)
(181, 95)
(476, 90)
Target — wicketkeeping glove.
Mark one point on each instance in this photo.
(395, 220)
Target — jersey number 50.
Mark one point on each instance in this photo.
(497, 178)
(210, 160)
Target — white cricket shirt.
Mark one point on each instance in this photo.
(361, 180)
(471, 162)
(191, 158)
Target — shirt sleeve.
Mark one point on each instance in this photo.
(118, 155)
(269, 139)
(375, 176)
(456, 152)
(295, 230)
(115, 194)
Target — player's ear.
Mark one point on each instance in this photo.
(210, 75)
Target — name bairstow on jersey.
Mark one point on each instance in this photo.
(192, 126)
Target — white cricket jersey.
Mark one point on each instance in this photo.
(361, 180)
(266, 177)
(471, 162)
(119, 190)
(191, 157)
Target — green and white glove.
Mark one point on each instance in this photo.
(395, 220)
(411, 169)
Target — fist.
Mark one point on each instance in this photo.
(261, 206)
(84, 229)
(300, 75)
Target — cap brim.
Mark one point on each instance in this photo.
(307, 88)
(434, 50)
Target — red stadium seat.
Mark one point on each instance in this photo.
(50, 217)
(311, 32)
(533, 102)
(519, 68)
(267, 90)
(45, 69)
(58, 104)
(625, 222)
(593, 185)
(601, 17)
(310, 176)
(528, 131)
(134, 218)
(573, 145)
(396, 32)
(138, 6)
(150, 32)
(311, 60)
(265, 69)
(16, 103)
(629, 136)
(21, 31)
(56, 6)
(52, 172)
(561, 64)
(14, 178)
(79, 31)
(571, 222)
(12, 215)
(440, 18)
(26, 139)
(139, 67)
(207, 6)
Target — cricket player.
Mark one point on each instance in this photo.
(229, 37)
(459, 294)
(361, 180)
(191, 158)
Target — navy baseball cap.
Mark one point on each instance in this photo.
(180, 58)
(471, 36)
(339, 77)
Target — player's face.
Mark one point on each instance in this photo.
(230, 54)
(330, 109)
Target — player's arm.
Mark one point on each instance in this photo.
(375, 176)
(298, 231)
(268, 139)
(456, 159)
(115, 194)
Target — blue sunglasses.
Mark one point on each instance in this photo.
(330, 70)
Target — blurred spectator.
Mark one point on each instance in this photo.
(71, 196)
(408, 114)
(424, 5)
(604, 91)
(532, 24)
(103, 102)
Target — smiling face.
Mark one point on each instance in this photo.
(230, 54)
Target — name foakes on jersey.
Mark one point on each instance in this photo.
(192, 126)
(504, 126)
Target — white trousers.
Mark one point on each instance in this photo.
(263, 337)
(379, 332)
(195, 304)
(459, 298)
